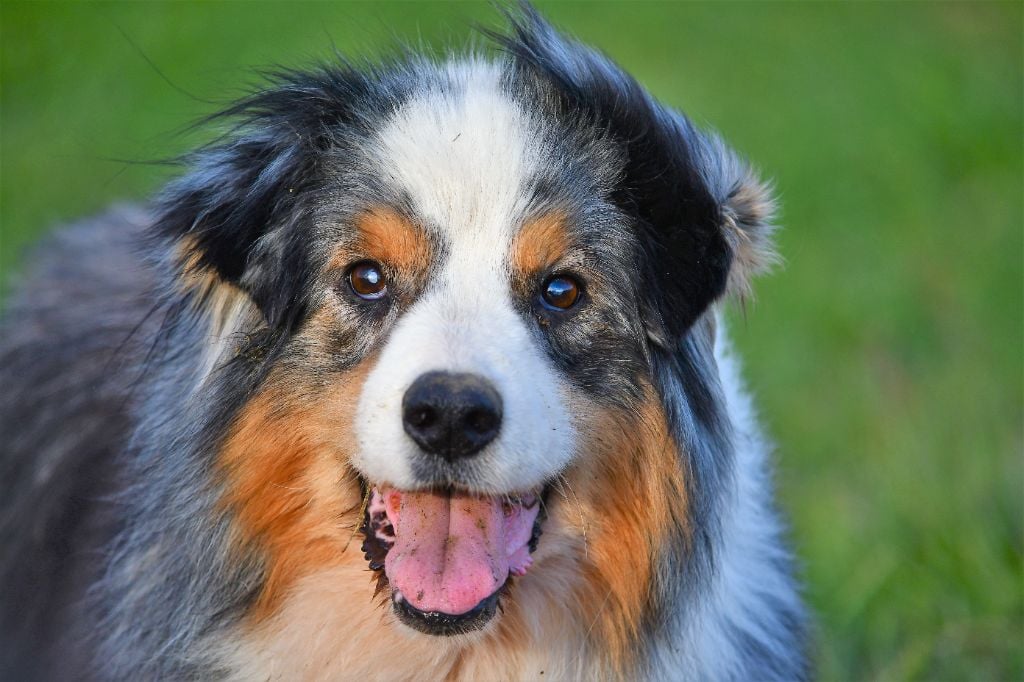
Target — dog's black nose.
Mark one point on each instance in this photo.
(451, 415)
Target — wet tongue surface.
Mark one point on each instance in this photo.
(450, 551)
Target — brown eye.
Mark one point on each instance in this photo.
(367, 281)
(561, 292)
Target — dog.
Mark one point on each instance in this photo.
(416, 371)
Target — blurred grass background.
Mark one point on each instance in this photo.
(886, 356)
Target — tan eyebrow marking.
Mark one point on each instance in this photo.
(541, 243)
(386, 236)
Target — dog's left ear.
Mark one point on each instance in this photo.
(702, 217)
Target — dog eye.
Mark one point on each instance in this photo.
(561, 292)
(367, 281)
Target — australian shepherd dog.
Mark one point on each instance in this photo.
(414, 373)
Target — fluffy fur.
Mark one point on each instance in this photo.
(195, 403)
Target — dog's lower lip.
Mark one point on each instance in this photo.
(444, 624)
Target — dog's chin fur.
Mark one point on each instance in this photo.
(198, 405)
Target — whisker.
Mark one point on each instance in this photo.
(288, 487)
(561, 480)
(579, 507)
(356, 525)
(586, 637)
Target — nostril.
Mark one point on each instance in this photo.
(422, 417)
(481, 421)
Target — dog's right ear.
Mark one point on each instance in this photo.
(702, 219)
(237, 215)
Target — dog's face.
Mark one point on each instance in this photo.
(464, 391)
(480, 383)
(443, 288)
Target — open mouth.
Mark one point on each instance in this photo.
(448, 555)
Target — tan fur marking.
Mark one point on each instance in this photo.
(188, 256)
(389, 238)
(226, 307)
(220, 299)
(288, 487)
(631, 494)
(540, 244)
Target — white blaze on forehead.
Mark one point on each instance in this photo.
(463, 152)
(464, 157)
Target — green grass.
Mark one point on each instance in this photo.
(886, 356)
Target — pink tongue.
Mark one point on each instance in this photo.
(449, 552)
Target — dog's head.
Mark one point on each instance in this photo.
(440, 300)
